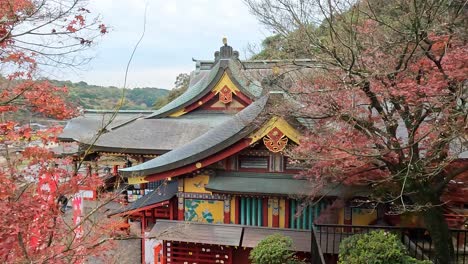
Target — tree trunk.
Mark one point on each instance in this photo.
(439, 231)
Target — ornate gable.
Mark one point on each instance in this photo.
(225, 95)
(276, 134)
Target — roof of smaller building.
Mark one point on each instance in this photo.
(87, 126)
(225, 235)
(163, 193)
(301, 239)
(157, 136)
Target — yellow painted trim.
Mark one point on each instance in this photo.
(233, 210)
(270, 212)
(225, 81)
(178, 113)
(282, 213)
(279, 123)
(136, 180)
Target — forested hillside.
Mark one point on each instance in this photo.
(99, 97)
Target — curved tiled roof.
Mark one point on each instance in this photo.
(213, 141)
(163, 193)
(202, 82)
(84, 128)
(157, 136)
(194, 92)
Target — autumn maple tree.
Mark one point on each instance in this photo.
(387, 95)
(35, 37)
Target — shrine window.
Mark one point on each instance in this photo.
(291, 164)
(251, 211)
(254, 163)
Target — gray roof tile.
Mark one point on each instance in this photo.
(84, 128)
(158, 136)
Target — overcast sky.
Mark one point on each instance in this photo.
(176, 32)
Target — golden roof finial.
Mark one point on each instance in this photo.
(225, 40)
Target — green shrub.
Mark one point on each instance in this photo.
(377, 247)
(274, 249)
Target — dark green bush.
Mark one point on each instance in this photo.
(274, 249)
(377, 247)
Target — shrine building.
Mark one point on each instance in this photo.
(209, 175)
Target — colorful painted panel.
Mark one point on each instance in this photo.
(204, 211)
(196, 184)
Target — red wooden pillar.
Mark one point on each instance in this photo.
(227, 211)
(164, 256)
(143, 228)
(115, 170)
(157, 251)
(275, 205)
(180, 200)
(171, 209)
(287, 213)
(237, 210)
(265, 212)
(180, 212)
(153, 218)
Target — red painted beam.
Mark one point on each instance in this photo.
(244, 98)
(242, 144)
(139, 210)
(197, 104)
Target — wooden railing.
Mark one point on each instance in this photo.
(316, 250)
(417, 240)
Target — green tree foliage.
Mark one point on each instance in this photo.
(274, 249)
(377, 247)
(99, 97)
(181, 85)
(278, 47)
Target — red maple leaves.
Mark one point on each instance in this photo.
(32, 227)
